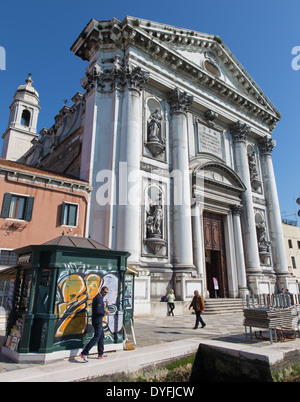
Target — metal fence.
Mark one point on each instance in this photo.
(271, 300)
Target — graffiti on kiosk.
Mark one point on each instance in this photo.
(77, 285)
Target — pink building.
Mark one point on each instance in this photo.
(37, 206)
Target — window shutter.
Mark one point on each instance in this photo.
(62, 218)
(72, 215)
(28, 209)
(6, 205)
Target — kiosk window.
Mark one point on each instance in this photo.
(128, 292)
(46, 277)
(43, 293)
(22, 292)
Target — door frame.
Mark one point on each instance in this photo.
(214, 240)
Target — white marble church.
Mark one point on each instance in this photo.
(175, 138)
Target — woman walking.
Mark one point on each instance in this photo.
(171, 304)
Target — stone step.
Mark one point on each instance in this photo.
(223, 306)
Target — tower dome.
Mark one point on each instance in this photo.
(27, 90)
(22, 122)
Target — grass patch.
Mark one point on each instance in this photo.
(176, 371)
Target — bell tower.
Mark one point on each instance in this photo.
(22, 122)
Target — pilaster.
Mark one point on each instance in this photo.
(182, 227)
(129, 204)
(198, 245)
(239, 249)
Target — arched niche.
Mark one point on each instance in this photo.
(154, 132)
(155, 221)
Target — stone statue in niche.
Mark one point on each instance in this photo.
(155, 143)
(154, 126)
(254, 177)
(154, 221)
(154, 230)
(264, 246)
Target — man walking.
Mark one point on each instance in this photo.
(198, 305)
(98, 312)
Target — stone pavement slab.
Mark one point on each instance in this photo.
(119, 362)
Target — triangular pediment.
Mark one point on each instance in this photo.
(199, 48)
(208, 61)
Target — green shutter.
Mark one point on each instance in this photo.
(28, 209)
(68, 214)
(6, 205)
(72, 215)
(62, 217)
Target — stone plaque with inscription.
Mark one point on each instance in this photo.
(209, 140)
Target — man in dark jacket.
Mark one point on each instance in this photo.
(98, 312)
(198, 305)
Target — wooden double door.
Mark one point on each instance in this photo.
(214, 243)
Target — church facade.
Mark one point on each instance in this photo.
(175, 138)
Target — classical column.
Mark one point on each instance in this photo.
(239, 132)
(266, 146)
(183, 248)
(129, 200)
(239, 249)
(91, 116)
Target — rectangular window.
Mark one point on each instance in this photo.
(294, 263)
(69, 214)
(298, 244)
(17, 207)
(290, 243)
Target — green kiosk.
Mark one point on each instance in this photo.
(55, 283)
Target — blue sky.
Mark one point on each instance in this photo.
(37, 37)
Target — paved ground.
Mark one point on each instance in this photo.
(151, 331)
(168, 336)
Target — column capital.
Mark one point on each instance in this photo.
(179, 101)
(135, 77)
(266, 145)
(239, 131)
(119, 77)
(236, 209)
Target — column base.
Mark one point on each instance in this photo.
(178, 267)
(261, 284)
(243, 291)
(286, 281)
(254, 271)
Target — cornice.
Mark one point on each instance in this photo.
(20, 176)
(159, 40)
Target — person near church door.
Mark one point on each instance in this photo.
(198, 305)
(171, 299)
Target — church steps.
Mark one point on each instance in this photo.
(223, 306)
